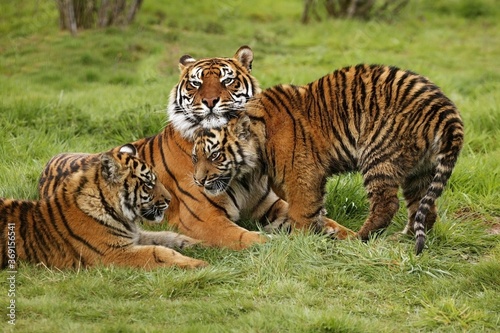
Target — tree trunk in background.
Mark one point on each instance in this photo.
(87, 14)
(359, 9)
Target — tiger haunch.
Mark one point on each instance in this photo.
(90, 219)
(394, 126)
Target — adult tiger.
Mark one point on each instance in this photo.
(90, 219)
(394, 126)
(209, 92)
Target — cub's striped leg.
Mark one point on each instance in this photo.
(384, 204)
(150, 257)
(307, 212)
(414, 189)
(275, 219)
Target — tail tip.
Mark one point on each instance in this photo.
(419, 245)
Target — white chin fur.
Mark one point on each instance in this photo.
(187, 127)
(213, 193)
(182, 125)
(159, 219)
(212, 122)
(184, 128)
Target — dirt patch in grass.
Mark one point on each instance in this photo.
(495, 228)
(492, 222)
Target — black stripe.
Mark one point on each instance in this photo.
(41, 233)
(48, 205)
(188, 208)
(230, 193)
(219, 207)
(443, 115)
(264, 197)
(383, 155)
(108, 207)
(169, 172)
(70, 231)
(386, 178)
(24, 227)
(400, 83)
(315, 213)
(268, 211)
(275, 97)
(409, 88)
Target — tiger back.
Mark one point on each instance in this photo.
(91, 219)
(67, 164)
(210, 91)
(394, 126)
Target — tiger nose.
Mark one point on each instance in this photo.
(210, 102)
(199, 182)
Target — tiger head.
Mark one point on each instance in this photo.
(140, 193)
(223, 154)
(211, 91)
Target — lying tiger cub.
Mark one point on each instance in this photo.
(396, 127)
(91, 220)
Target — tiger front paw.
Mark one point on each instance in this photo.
(195, 263)
(336, 230)
(278, 225)
(183, 242)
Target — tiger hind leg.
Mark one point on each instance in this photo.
(414, 189)
(384, 204)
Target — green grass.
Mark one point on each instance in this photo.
(107, 87)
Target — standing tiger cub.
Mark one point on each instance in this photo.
(396, 127)
(91, 217)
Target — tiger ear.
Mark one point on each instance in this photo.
(245, 56)
(242, 128)
(186, 61)
(111, 170)
(129, 149)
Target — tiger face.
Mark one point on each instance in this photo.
(221, 155)
(142, 195)
(211, 91)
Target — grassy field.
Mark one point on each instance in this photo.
(107, 87)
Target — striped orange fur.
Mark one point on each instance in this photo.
(91, 219)
(394, 126)
(210, 91)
